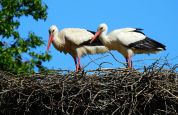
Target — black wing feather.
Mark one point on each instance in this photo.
(147, 44)
(93, 32)
(139, 30)
(96, 42)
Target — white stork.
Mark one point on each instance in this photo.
(76, 42)
(127, 41)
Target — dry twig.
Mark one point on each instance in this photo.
(152, 90)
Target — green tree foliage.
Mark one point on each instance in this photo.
(13, 47)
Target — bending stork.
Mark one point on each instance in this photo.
(127, 41)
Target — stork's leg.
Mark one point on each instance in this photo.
(129, 62)
(79, 67)
(126, 61)
(75, 63)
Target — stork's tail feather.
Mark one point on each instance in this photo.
(148, 44)
(156, 45)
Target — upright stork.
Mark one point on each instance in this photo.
(76, 42)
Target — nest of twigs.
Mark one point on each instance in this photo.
(152, 90)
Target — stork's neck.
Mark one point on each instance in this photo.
(104, 38)
(56, 35)
(58, 41)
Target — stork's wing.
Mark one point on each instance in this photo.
(126, 36)
(93, 32)
(135, 38)
(96, 42)
(148, 44)
(77, 36)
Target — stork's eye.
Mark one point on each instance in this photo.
(52, 31)
(101, 28)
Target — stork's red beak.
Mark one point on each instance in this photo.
(50, 41)
(95, 36)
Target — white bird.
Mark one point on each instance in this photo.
(127, 41)
(76, 42)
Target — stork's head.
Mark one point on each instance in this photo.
(52, 31)
(101, 28)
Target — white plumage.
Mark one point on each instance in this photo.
(124, 36)
(74, 41)
(127, 41)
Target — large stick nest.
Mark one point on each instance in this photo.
(152, 90)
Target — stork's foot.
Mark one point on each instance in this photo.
(79, 74)
(78, 69)
(127, 67)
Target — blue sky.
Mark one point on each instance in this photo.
(158, 18)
